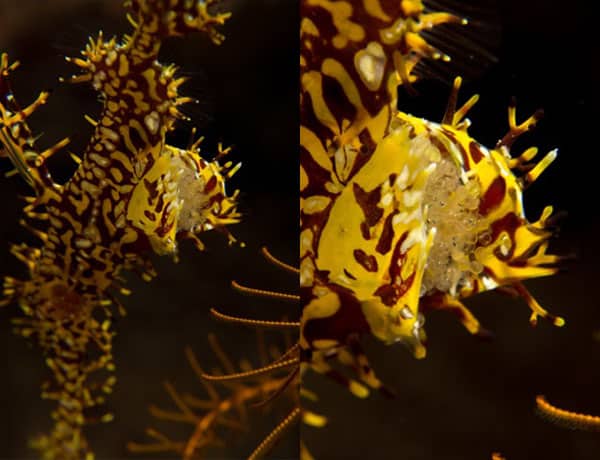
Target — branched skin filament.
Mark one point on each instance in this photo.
(131, 193)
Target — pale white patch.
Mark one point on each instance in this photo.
(370, 65)
(402, 179)
(152, 122)
(387, 199)
(410, 198)
(111, 57)
(405, 313)
(315, 204)
(98, 79)
(414, 236)
(109, 133)
(83, 243)
(488, 283)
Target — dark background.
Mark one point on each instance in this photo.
(468, 398)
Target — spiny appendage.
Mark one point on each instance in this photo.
(221, 411)
(112, 66)
(153, 20)
(471, 184)
(411, 45)
(18, 142)
(565, 418)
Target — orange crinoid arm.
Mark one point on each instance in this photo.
(566, 418)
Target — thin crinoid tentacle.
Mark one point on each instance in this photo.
(277, 262)
(291, 377)
(253, 322)
(294, 349)
(277, 432)
(565, 418)
(264, 292)
(294, 362)
(290, 358)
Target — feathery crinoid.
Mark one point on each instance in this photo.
(231, 405)
(236, 394)
(131, 193)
